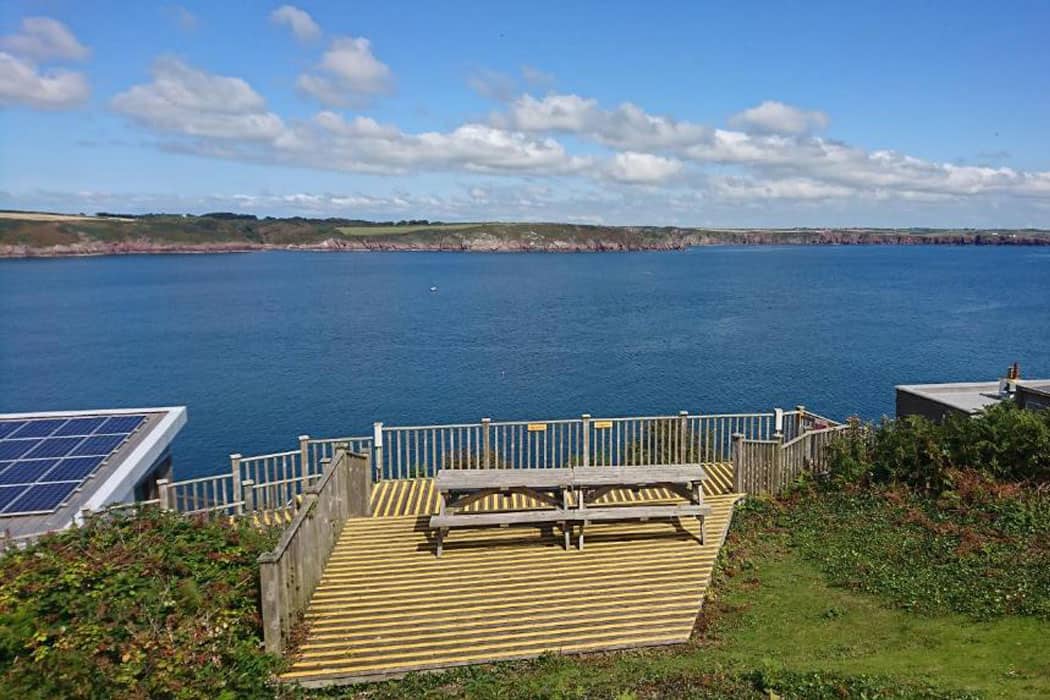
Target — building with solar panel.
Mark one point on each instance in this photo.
(54, 466)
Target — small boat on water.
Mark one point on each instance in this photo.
(433, 289)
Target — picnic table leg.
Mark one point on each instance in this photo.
(440, 540)
(583, 524)
(698, 499)
(566, 526)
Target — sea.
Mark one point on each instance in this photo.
(262, 347)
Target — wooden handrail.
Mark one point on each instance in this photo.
(292, 570)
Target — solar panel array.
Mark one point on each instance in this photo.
(43, 461)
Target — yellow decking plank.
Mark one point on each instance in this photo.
(456, 642)
(560, 639)
(350, 673)
(347, 622)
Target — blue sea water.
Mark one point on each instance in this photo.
(262, 347)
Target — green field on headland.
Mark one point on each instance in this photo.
(34, 234)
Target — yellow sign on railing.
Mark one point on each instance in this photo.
(537, 427)
(602, 424)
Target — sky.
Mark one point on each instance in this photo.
(692, 114)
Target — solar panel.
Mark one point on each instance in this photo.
(54, 447)
(13, 449)
(80, 426)
(98, 445)
(8, 494)
(42, 498)
(26, 471)
(38, 428)
(120, 424)
(9, 426)
(44, 460)
(72, 468)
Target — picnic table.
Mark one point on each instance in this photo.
(555, 488)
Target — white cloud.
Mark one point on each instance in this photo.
(364, 144)
(184, 19)
(536, 77)
(223, 117)
(44, 39)
(778, 118)
(642, 168)
(301, 24)
(23, 83)
(492, 84)
(185, 100)
(627, 127)
(349, 72)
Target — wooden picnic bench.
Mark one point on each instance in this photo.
(552, 487)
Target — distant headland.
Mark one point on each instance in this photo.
(39, 234)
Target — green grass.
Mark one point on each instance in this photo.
(386, 230)
(778, 611)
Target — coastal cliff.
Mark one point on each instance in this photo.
(47, 235)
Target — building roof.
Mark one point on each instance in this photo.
(970, 397)
(55, 464)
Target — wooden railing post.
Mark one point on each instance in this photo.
(683, 426)
(486, 443)
(304, 458)
(235, 471)
(800, 418)
(586, 457)
(163, 494)
(248, 496)
(270, 590)
(778, 420)
(738, 463)
(377, 448)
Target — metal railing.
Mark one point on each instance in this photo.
(274, 481)
(419, 451)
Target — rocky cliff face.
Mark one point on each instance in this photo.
(522, 238)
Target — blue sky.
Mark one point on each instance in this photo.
(710, 114)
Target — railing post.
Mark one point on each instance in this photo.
(683, 426)
(778, 420)
(800, 418)
(486, 443)
(304, 458)
(377, 447)
(235, 470)
(270, 590)
(738, 463)
(248, 496)
(586, 457)
(163, 494)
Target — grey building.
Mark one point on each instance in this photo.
(935, 401)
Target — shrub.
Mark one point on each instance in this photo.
(1004, 443)
(150, 605)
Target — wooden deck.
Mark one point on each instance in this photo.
(387, 605)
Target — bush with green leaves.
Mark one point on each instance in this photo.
(1004, 443)
(149, 605)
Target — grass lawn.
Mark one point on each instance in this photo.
(779, 612)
